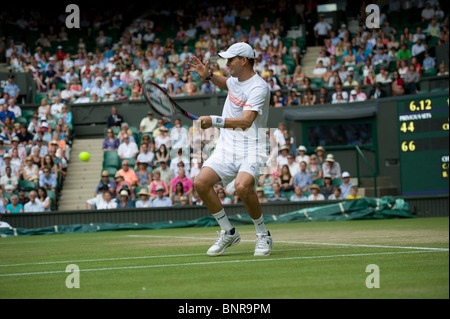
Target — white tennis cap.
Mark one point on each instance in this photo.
(241, 49)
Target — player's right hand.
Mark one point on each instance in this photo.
(205, 122)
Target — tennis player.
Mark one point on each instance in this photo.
(239, 154)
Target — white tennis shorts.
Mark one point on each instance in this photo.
(229, 170)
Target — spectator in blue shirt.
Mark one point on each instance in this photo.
(161, 200)
(208, 88)
(47, 180)
(303, 178)
(428, 61)
(346, 185)
(6, 113)
(11, 88)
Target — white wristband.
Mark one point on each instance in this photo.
(217, 121)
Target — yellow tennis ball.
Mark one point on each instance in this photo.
(84, 156)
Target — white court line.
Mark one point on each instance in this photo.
(128, 258)
(212, 263)
(304, 243)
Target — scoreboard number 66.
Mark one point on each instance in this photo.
(408, 146)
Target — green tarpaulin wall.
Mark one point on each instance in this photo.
(364, 208)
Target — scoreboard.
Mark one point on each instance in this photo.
(423, 125)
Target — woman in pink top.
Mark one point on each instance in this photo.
(157, 181)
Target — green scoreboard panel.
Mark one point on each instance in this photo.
(423, 140)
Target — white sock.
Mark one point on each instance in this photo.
(259, 225)
(223, 221)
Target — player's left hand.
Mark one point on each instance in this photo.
(205, 122)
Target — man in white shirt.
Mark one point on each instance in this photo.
(239, 155)
(33, 206)
(321, 30)
(127, 149)
(148, 124)
(55, 109)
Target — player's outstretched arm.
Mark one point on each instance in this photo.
(203, 71)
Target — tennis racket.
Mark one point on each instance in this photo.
(161, 102)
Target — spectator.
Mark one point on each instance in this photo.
(14, 207)
(30, 171)
(106, 180)
(321, 30)
(108, 201)
(115, 119)
(6, 113)
(111, 142)
(145, 156)
(302, 156)
(418, 48)
(285, 179)
(331, 167)
(144, 199)
(33, 206)
(346, 185)
(166, 173)
(127, 149)
(48, 180)
(224, 200)
(161, 200)
(163, 138)
(398, 86)
(128, 174)
(336, 194)
(11, 88)
(143, 175)
(442, 70)
(187, 183)
(303, 178)
(412, 79)
(298, 195)
(383, 76)
(9, 181)
(124, 200)
(343, 94)
(148, 124)
(353, 193)
(327, 189)
(377, 92)
(428, 62)
(277, 196)
(316, 195)
(14, 108)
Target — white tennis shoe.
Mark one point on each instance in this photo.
(263, 244)
(225, 240)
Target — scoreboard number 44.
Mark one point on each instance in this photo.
(407, 127)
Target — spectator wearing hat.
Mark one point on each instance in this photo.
(11, 88)
(331, 167)
(320, 153)
(346, 185)
(124, 199)
(7, 162)
(108, 97)
(144, 199)
(106, 180)
(163, 138)
(161, 200)
(354, 97)
(302, 156)
(316, 195)
(282, 157)
(120, 184)
(260, 194)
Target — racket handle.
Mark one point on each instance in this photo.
(192, 116)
